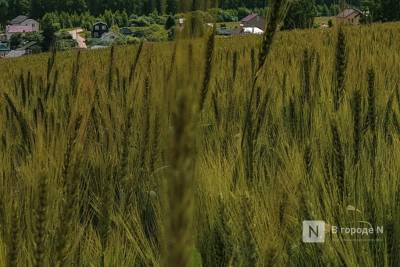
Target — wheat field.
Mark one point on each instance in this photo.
(193, 153)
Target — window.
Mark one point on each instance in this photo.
(97, 27)
(104, 27)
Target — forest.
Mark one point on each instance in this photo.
(379, 10)
(37, 8)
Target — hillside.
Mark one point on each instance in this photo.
(90, 141)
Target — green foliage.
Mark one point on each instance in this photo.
(38, 8)
(132, 40)
(4, 11)
(152, 33)
(221, 15)
(107, 159)
(301, 14)
(16, 40)
(172, 6)
(49, 28)
(170, 23)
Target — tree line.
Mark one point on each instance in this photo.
(378, 10)
(37, 8)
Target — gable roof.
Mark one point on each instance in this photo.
(348, 12)
(100, 23)
(4, 47)
(26, 46)
(249, 17)
(254, 20)
(18, 20)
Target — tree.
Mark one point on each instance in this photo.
(18, 7)
(301, 14)
(243, 12)
(170, 23)
(78, 6)
(109, 17)
(49, 30)
(16, 40)
(390, 10)
(3, 11)
(36, 8)
(172, 6)
(124, 19)
(33, 37)
(373, 9)
(326, 11)
(161, 6)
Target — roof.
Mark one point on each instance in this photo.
(18, 29)
(253, 21)
(26, 46)
(237, 31)
(18, 20)
(249, 17)
(348, 12)
(4, 47)
(100, 22)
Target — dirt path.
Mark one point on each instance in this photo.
(79, 39)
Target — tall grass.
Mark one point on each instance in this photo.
(203, 152)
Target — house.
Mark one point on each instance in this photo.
(26, 49)
(4, 49)
(25, 21)
(29, 48)
(253, 24)
(99, 28)
(350, 16)
(21, 24)
(13, 29)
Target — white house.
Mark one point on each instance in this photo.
(253, 24)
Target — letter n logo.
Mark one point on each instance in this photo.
(313, 231)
